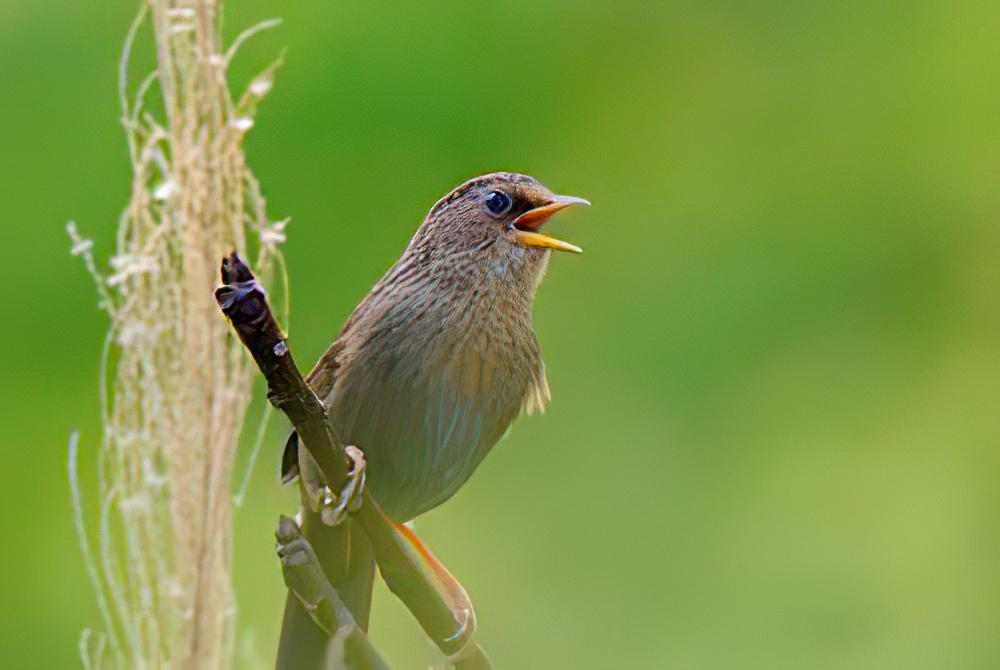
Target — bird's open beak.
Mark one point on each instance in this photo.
(526, 226)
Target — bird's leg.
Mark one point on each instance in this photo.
(332, 507)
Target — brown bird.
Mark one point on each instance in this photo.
(438, 360)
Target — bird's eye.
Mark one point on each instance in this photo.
(498, 203)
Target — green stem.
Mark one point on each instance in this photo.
(318, 632)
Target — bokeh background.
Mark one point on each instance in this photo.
(775, 435)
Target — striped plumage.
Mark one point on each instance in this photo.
(438, 360)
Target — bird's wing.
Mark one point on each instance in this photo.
(324, 374)
(321, 379)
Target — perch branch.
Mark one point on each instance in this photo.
(413, 573)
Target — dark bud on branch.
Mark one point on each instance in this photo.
(244, 302)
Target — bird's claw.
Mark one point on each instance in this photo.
(334, 509)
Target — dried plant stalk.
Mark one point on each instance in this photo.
(175, 385)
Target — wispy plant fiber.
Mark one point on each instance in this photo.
(175, 385)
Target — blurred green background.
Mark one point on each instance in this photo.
(774, 435)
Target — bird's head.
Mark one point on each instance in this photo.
(499, 214)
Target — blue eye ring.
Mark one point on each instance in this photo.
(498, 203)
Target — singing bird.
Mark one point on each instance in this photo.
(438, 360)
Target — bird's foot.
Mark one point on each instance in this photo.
(335, 508)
